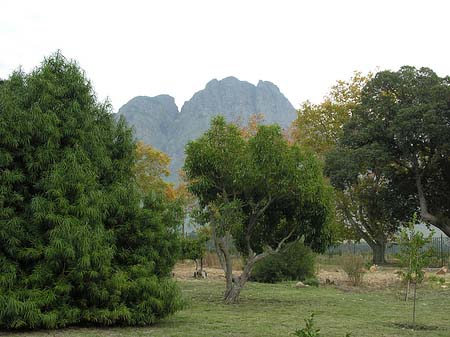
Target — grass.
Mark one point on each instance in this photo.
(280, 309)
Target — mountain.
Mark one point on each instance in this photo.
(157, 120)
(152, 119)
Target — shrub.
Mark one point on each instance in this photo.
(310, 329)
(296, 262)
(353, 266)
(311, 281)
(78, 243)
(192, 248)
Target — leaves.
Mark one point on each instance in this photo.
(401, 129)
(258, 187)
(320, 126)
(78, 242)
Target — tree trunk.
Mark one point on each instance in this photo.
(407, 290)
(379, 252)
(232, 294)
(442, 223)
(445, 228)
(414, 306)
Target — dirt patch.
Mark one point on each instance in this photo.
(185, 271)
(384, 277)
(380, 279)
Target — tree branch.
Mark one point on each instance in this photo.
(427, 216)
(252, 221)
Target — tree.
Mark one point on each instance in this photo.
(257, 193)
(414, 257)
(402, 129)
(150, 168)
(194, 248)
(364, 205)
(320, 126)
(78, 243)
(366, 201)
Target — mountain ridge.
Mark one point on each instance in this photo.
(159, 122)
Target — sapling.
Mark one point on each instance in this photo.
(414, 257)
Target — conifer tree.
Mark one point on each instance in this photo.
(77, 244)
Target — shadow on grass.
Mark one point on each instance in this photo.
(416, 327)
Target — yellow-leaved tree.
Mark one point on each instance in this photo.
(320, 126)
(151, 167)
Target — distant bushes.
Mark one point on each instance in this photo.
(353, 266)
(296, 262)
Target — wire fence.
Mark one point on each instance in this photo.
(440, 248)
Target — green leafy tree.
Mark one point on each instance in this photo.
(401, 128)
(414, 256)
(367, 201)
(78, 243)
(257, 192)
(194, 247)
(365, 206)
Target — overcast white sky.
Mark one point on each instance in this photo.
(130, 48)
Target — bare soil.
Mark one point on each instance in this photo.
(382, 278)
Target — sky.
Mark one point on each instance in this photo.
(130, 48)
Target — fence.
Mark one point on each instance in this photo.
(440, 250)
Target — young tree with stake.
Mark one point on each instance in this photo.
(414, 257)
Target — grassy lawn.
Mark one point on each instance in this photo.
(278, 310)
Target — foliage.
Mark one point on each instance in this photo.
(361, 211)
(150, 169)
(414, 256)
(78, 243)
(309, 330)
(295, 262)
(319, 126)
(370, 313)
(353, 266)
(258, 192)
(194, 247)
(368, 202)
(401, 129)
(312, 281)
(151, 165)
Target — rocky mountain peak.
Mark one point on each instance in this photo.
(157, 120)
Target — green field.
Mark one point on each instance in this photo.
(278, 310)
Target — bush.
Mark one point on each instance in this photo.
(192, 248)
(310, 329)
(296, 262)
(78, 243)
(353, 266)
(311, 281)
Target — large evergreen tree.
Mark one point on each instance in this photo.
(78, 245)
